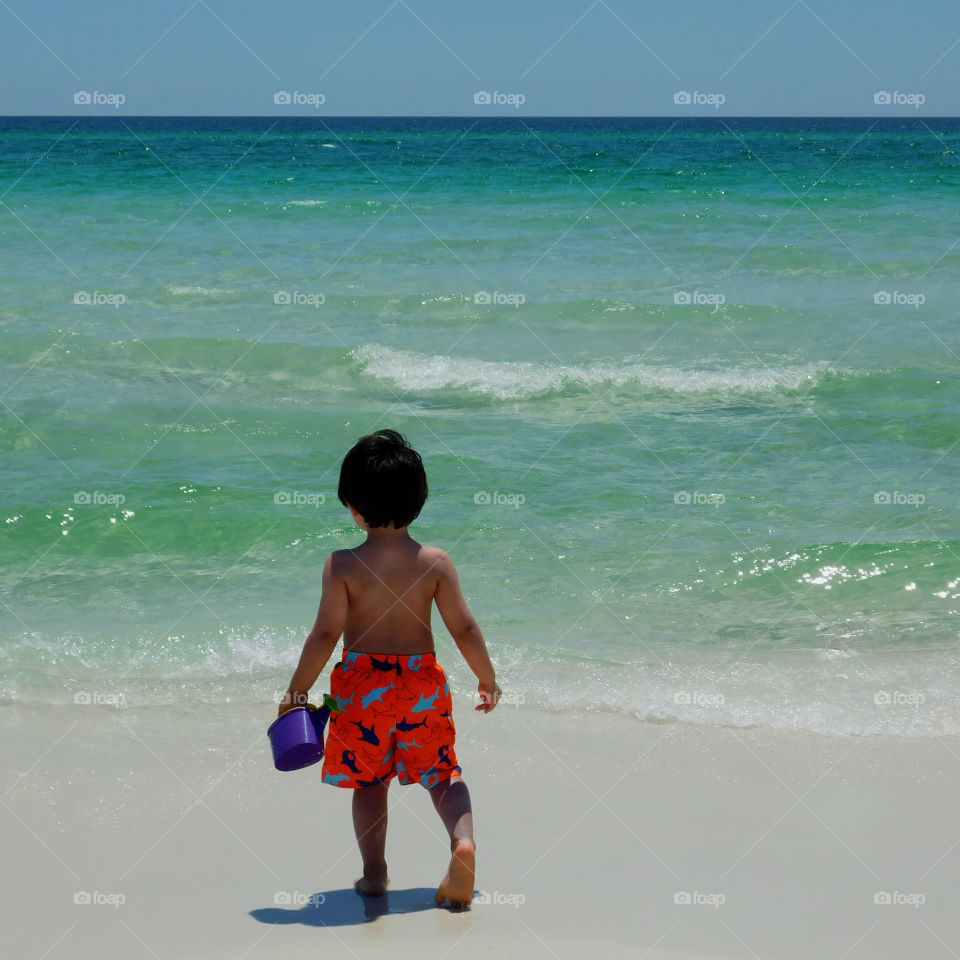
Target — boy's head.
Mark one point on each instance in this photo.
(383, 479)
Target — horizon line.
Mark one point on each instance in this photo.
(489, 116)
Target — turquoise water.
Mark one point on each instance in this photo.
(688, 465)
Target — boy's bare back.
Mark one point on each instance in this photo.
(390, 588)
(379, 597)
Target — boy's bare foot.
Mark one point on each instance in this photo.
(372, 886)
(457, 885)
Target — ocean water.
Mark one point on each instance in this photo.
(686, 392)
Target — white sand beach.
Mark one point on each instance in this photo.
(167, 833)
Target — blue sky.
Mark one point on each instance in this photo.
(431, 57)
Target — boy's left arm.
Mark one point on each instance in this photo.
(321, 641)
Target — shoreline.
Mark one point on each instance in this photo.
(593, 833)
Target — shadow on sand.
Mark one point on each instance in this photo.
(341, 908)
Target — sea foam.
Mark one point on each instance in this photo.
(514, 379)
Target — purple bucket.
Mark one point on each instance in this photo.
(296, 737)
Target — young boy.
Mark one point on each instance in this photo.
(395, 709)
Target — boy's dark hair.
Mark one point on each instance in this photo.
(382, 477)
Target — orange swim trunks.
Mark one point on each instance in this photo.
(395, 719)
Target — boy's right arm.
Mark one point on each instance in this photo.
(320, 642)
(465, 631)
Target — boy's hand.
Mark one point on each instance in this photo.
(489, 693)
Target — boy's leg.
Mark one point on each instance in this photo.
(452, 801)
(370, 826)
